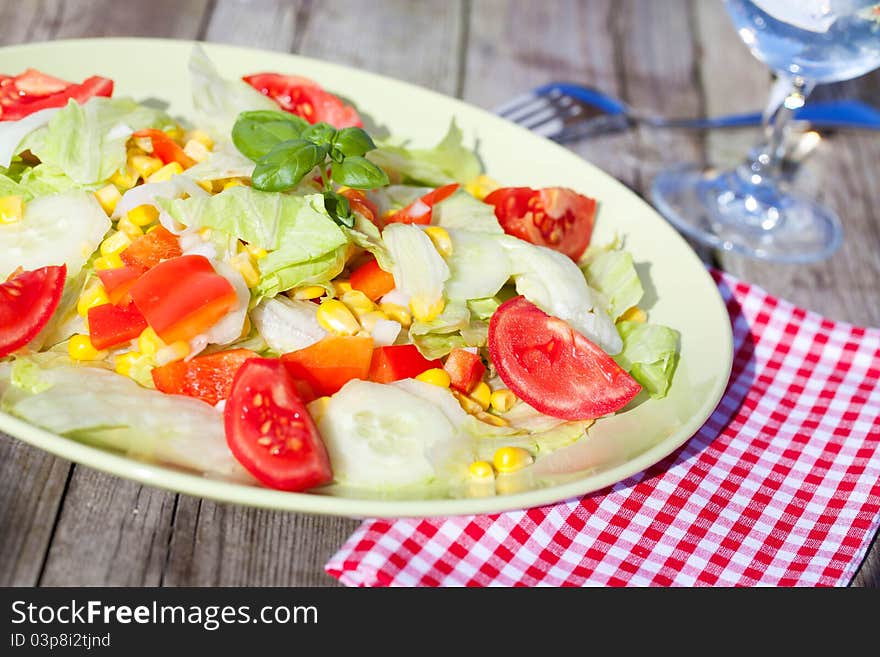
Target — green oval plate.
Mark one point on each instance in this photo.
(681, 294)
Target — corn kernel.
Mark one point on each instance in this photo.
(494, 420)
(92, 296)
(124, 179)
(335, 317)
(468, 404)
(11, 209)
(481, 470)
(149, 343)
(341, 287)
(358, 302)
(205, 234)
(196, 150)
(80, 347)
(143, 215)
(172, 353)
(502, 400)
(125, 225)
(424, 310)
(257, 252)
(108, 196)
(511, 459)
(308, 292)
(207, 185)
(436, 376)
(243, 265)
(440, 237)
(112, 261)
(175, 132)
(634, 314)
(368, 320)
(232, 182)
(166, 173)
(203, 138)
(481, 186)
(397, 312)
(482, 394)
(116, 243)
(144, 165)
(126, 363)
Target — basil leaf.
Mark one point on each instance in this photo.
(353, 141)
(287, 164)
(358, 172)
(320, 133)
(339, 209)
(257, 133)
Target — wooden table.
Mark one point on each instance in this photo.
(62, 524)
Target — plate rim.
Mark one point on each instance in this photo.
(189, 483)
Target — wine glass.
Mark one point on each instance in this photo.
(750, 209)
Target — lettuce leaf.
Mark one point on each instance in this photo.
(462, 211)
(650, 354)
(449, 161)
(612, 273)
(87, 142)
(100, 407)
(304, 244)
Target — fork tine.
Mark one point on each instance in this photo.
(515, 103)
(534, 106)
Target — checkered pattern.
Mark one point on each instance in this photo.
(780, 487)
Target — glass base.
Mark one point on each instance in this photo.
(754, 216)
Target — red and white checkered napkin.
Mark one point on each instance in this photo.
(781, 486)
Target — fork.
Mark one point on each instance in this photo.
(564, 111)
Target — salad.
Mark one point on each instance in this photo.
(265, 292)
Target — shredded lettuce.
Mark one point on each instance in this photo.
(219, 101)
(12, 133)
(650, 354)
(287, 324)
(63, 228)
(100, 407)
(87, 142)
(478, 265)
(304, 244)
(553, 282)
(418, 270)
(462, 211)
(449, 161)
(224, 162)
(612, 273)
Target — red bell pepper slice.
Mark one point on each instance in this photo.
(151, 249)
(165, 148)
(398, 362)
(117, 282)
(465, 370)
(372, 280)
(420, 210)
(111, 325)
(330, 363)
(208, 378)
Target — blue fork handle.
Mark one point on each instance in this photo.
(821, 114)
(829, 114)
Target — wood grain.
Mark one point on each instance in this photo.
(62, 525)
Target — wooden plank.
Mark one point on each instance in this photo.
(260, 24)
(33, 484)
(226, 545)
(173, 19)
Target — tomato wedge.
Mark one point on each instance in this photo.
(305, 98)
(27, 301)
(165, 148)
(398, 362)
(554, 368)
(183, 297)
(269, 430)
(555, 217)
(33, 91)
(420, 210)
(208, 378)
(111, 325)
(372, 280)
(151, 249)
(330, 363)
(465, 370)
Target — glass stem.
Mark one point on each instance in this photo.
(766, 159)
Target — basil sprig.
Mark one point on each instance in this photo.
(286, 149)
